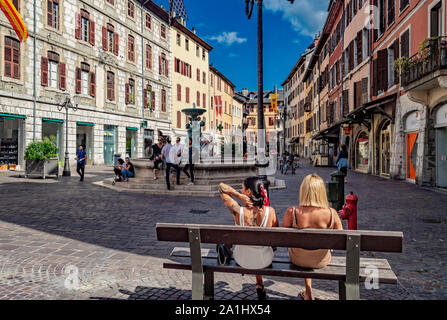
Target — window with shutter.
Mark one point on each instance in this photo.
(53, 69)
(187, 95)
(131, 48)
(148, 21)
(104, 39)
(131, 91)
(116, 43)
(351, 55)
(179, 92)
(130, 9)
(85, 26)
(148, 57)
(204, 78)
(391, 12)
(403, 5)
(405, 44)
(179, 119)
(163, 31)
(204, 100)
(396, 56)
(78, 83)
(52, 13)
(12, 58)
(92, 32)
(78, 26)
(62, 75)
(359, 47)
(365, 84)
(375, 77)
(110, 86)
(198, 74)
(198, 99)
(382, 69)
(127, 93)
(92, 84)
(163, 100)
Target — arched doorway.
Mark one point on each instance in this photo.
(385, 148)
(441, 146)
(362, 152)
(411, 143)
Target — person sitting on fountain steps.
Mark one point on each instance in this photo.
(256, 213)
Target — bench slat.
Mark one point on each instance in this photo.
(380, 241)
(283, 270)
(284, 258)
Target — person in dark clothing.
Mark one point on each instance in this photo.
(156, 156)
(81, 157)
(342, 160)
(128, 170)
(118, 169)
(191, 160)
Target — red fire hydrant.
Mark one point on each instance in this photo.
(349, 211)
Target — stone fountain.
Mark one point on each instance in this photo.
(208, 171)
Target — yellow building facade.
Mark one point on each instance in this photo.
(190, 77)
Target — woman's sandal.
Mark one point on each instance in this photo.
(302, 295)
(260, 290)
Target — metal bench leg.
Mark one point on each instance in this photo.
(350, 289)
(196, 264)
(209, 285)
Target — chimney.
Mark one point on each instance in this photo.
(193, 30)
(245, 92)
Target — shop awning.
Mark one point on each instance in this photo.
(132, 128)
(52, 120)
(363, 113)
(294, 140)
(11, 116)
(332, 132)
(85, 123)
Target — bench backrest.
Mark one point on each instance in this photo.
(311, 239)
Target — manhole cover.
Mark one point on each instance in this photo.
(196, 211)
(435, 220)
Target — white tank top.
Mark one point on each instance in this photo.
(264, 222)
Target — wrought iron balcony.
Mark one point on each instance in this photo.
(427, 62)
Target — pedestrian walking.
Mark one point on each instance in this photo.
(342, 160)
(167, 154)
(81, 157)
(192, 157)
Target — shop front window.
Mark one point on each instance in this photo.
(362, 152)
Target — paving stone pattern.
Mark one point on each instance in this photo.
(53, 232)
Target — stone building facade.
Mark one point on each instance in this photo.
(110, 58)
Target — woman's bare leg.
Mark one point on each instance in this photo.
(308, 291)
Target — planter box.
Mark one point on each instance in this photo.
(42, 168)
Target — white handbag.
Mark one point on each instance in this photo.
(253, 257)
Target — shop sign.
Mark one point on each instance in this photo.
(347, 131)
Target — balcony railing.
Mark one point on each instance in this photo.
(433, 58)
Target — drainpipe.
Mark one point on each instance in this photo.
(143, 94)
(34, 72)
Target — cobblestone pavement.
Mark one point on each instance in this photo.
(51, 230)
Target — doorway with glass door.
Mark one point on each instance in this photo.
(109, 144)
(131, 142)
(84, 138)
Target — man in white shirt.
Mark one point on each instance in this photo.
(168, 155)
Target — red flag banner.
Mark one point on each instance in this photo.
(15, 19)
(220, 105)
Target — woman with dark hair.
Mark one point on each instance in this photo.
(256, 213)
(118, 169)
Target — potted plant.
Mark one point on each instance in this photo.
(41, 159)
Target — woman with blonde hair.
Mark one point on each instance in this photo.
(313, 213)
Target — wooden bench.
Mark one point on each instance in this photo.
(349, 271)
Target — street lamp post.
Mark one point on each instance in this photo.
(66, 105)
(261, 162)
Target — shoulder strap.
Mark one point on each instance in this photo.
(241, 217)
(266, 217)
(332, 219)
(295, 221)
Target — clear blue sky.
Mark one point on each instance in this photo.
(288, 30)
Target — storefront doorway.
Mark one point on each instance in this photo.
(84, 137)
(441, 147)
(131, 142)
(148, 141)
(411, 141)
(11, 141)
(109, 144)
(362, 152)
(385, 149)
(52, 129)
